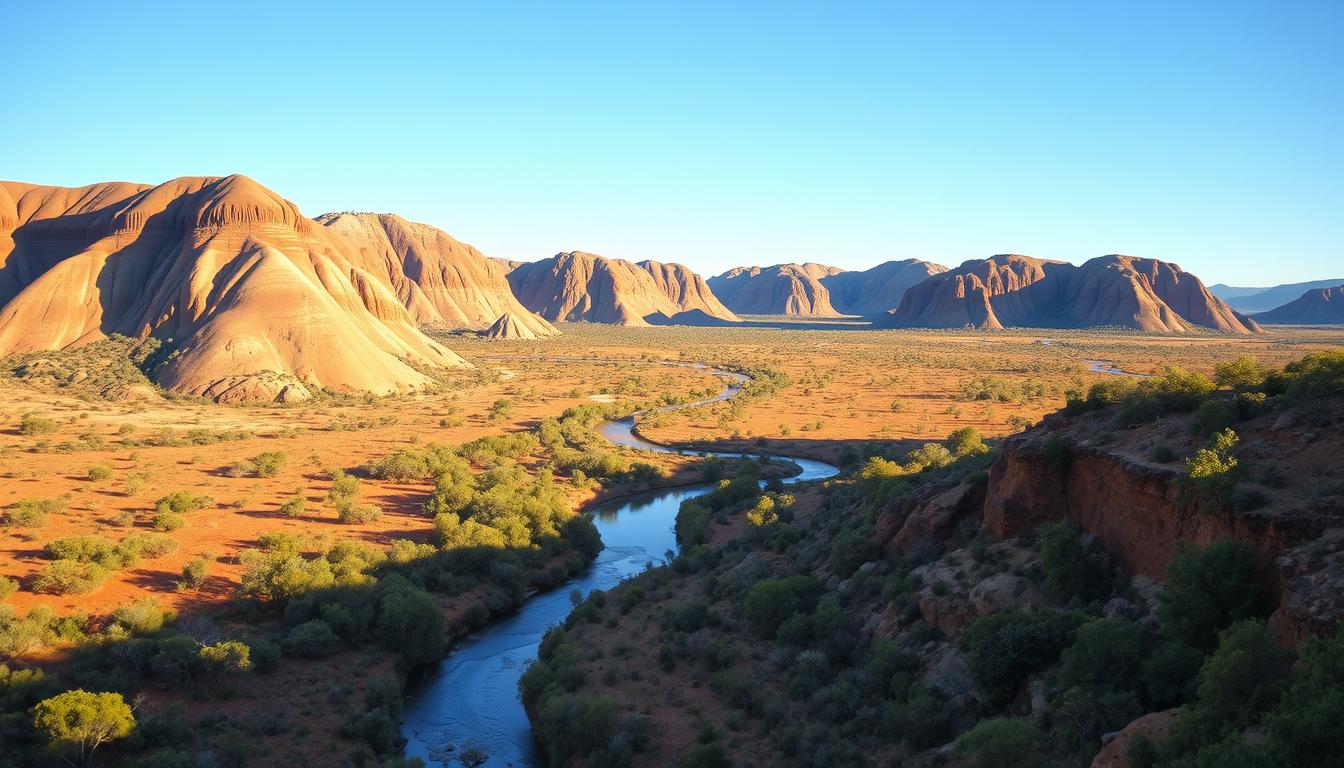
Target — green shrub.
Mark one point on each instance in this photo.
(168, 521)
(354, 514)
(8, 587)
(229, 657)
(1070, 569)
(1315, 376)
(1106, 655)
(181, 503)
(1245, 676)
(268, 464)
(999, 743)
(311, 639)
(141, 617)
(1003, 649)
(99, 473)
(411, 622)
(771, 601)
(1241, 373)
(1211, 417)
(194, 574)
(33, 424)
(32, 513)
(69, 577)
(1207, 590)
(1211, 474)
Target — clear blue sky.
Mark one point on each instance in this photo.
(717, 134)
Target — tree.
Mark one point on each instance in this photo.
(1211, 474)
(412, 623)
(1207, 590)
(83, 721)
(1242, 373)
(230, 657)
(999, 743)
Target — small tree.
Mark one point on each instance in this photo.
(83, 721)
(229, 657)
(1242, 373)
(1211, 474)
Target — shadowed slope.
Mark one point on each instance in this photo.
(877, 290)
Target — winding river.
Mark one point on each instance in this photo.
(471, 696)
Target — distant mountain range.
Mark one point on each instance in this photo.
(1250, 299)
(1317, 306)
(254, 301)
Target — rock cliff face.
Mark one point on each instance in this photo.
(259, 301)
(441, 282)
(1120, 291)
(584, 287)
(1135, 510)
(1322, 306)
(878, 290)
(784, 289)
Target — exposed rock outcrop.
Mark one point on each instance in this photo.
(584, 287)
(1322, 306)
(878, 290)
(783, 289)
(1119, 291)
(1154, 726)
(442, 282)
(248, 290)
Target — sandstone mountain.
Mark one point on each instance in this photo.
(783, 289)
(510, 326)
(258, 301)
(583, 287)
(1121, 291)
(878, 290)
(441, 282)
(1322, 306)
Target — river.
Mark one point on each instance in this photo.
(471, 696)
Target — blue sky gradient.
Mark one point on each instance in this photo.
(718, 134)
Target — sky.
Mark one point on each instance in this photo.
(718, 134)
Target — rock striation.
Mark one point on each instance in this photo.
(442, 282)
(256, 301)
(582, 287)
(783, 289)
(1117, 291)
(876, 291)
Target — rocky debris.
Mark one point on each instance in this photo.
(1311, 599)
(1154, 725)
(943, 668)
(956, 588)
(932, 518)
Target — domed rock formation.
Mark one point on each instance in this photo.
(878, 290)
(583, 287)
(1322, 306)
(1121, 291)
(258, 301)
(442, 282)
(783, 289)
(508, 326)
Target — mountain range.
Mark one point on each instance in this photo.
(250, 297)
(1253, 299)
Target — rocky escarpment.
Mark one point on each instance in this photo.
(877, 290)
(1136, 511)
(1116, 291)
